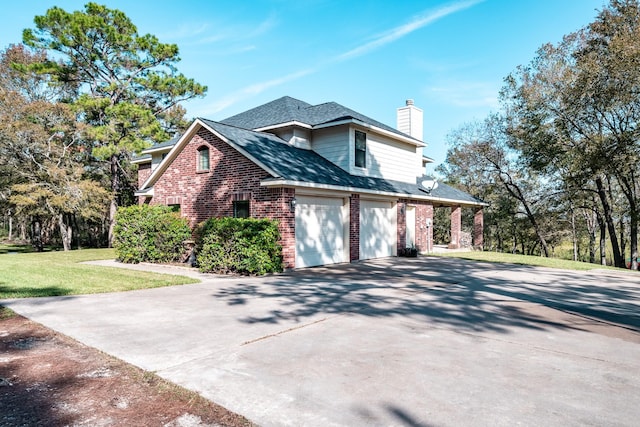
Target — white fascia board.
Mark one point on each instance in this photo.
(375, 129)
(148, 192)
(426, 160)
(288, 183)
(157, 150)
(284, 125)
(140, 160)
(241, 150)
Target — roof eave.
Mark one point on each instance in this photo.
(152, 150)
(292, 183)
(162, 167)
(138, 161)
(242, 151)
(284, 125)
(373, 128)
(145, 192)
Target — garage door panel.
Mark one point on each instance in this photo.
(377, 229)
(319, 231)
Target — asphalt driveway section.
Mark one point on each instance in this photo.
(402, 342)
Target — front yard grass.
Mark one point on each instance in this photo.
(60, 273)
(537, 261)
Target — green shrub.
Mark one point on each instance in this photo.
(239, 245)
(149, 233)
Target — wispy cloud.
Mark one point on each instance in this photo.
(252, 90)
(378, 42)
(193, 34)
(408, 28)
(264, 27)
(465, 94)
(185, 31)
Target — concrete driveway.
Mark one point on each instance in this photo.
(393, 342)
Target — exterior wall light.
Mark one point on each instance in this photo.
(292, 204)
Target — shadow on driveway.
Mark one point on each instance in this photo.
(464, 295)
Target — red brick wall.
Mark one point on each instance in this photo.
(478, 229)
(354, 227)
(456, 226)
(144, 170)
(424, 233)
(402, 225)
(231, 176)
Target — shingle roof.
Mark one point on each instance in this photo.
(288, 109)
(166, 144)
(300, 165)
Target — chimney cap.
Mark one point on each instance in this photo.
(409, 101)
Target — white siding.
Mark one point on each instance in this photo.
(410, 121)
(390, 159)
(386, 158)
(296, 137)
(333, 144)
(155, 160)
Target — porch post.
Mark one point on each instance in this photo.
(478, 229)
(456, 227)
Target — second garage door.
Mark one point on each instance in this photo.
(377, 229)
(320, 230)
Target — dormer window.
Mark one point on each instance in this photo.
(203, 158)
(361, 150)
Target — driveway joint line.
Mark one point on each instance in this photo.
(295, 328)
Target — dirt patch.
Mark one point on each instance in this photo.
(48, 379)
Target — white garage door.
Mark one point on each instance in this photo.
(320, 223)
(377, 229)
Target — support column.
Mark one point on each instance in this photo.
(354, 227)
(286, 217)
(456, 227)
(401, 232)
(478, 229)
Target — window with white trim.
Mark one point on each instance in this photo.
(203, 158)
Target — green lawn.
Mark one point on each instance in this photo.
(59, 273)
(523, 260)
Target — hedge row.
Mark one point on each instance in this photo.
(239, 245)
(149, 234)
(224, 245)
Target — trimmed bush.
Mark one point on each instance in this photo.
(239, 245)
(149, 234)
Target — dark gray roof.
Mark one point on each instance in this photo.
(143, 158)
(287, 109)
(296, 164)
(166, 144)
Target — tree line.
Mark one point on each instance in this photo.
(559, 161)
(81, 94)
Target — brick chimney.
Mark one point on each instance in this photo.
(410, 120)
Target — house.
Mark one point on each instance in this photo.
(343, 186)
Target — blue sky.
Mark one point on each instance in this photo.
(449, 56)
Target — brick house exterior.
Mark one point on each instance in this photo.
(326, 212)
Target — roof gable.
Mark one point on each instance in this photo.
(298, 165)
(286, 110)
(281, 110)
